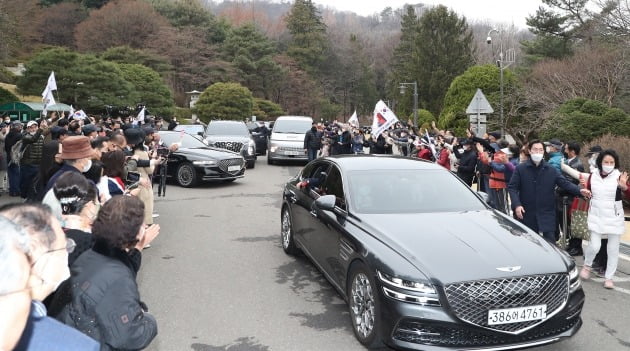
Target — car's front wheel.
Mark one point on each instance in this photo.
(186, 175)
(364, 306)
(286, 231)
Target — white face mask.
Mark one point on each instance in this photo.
(608, 169)
(87, 166)
(536, 158)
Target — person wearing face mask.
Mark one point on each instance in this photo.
(605, 212)
(15, 294)
(76, 153)
(467, 159)
(48, 256)
(105, 301)
(313, 142)
(33, 144)
(531, 190)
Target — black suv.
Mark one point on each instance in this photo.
(233, 136)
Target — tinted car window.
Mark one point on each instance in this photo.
(333, 185)
(187, 140)
(410, 191)
(218, 128)
(292, 126)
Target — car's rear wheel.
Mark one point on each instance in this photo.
(364, 306)
(186, 175)
(286, 231)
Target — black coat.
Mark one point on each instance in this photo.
(105, 299)
(13, 136)
(313, 140)
(533, 188)
(467, 164)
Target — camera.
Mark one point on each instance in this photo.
(163, 152)
(132, 177)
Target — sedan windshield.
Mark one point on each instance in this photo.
(410, 191)
(218, 128)
(292, 126)
(187, 141)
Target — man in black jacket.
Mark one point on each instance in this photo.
(33, 144)
(312, 142)
(467, 161)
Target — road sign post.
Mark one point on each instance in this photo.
(477, 110)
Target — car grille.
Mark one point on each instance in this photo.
(229, 145)
(460, 336)
(224, 164)
(471, 301)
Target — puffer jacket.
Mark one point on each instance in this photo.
(105, 302)
(34, 148)
(605, 214)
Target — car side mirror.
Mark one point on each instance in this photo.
(200, 134)
(326, 202)
(484, 197)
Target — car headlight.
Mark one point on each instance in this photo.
(205, 163)
(273, 148)
(422, 293)
(574, 279)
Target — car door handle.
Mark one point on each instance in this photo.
(292, 197)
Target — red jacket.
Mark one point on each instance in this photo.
(425, 154)
(497, 179)
(444, 159)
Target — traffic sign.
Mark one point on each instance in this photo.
(479, 104)
(473, 118)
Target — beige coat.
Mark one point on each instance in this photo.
(146, 194)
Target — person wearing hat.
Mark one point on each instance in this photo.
(554, 149)
(497, 185)
(90, 131)
(76, 154)
(33, 145)
(467, 160)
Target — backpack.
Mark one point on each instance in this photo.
(17, 151)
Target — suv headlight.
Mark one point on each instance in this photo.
(422, 293)
(205, 163)
(251, 146)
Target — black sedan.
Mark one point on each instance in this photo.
(195, 161)
(423, 262)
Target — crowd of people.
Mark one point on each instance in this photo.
(71, 245)
(535, 183)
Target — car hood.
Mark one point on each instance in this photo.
(456, 247)
(287, 137)
(207, 152)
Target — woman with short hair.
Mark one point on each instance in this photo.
(105, 299)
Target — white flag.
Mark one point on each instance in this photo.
(354, 120)
(383, 119)
(47, 95)
(71, 111)
(431, 146)
(139, 118)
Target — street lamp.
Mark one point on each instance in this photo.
(504, 61)
(402, 88)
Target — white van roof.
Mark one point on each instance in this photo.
(293, 118)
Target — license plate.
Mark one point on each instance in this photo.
(516, 315)
(293, 153)
(234, 168)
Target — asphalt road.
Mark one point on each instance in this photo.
(217, 279)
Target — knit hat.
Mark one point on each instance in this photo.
(76, 147)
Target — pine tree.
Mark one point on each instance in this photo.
(308, 35)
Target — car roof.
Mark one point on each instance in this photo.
(376, 162)
(293, 118)
(226, 121)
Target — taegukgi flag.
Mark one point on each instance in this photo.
(383, 119)
(354, 120)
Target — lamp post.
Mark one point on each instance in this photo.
(403, 87)
(504, 61)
